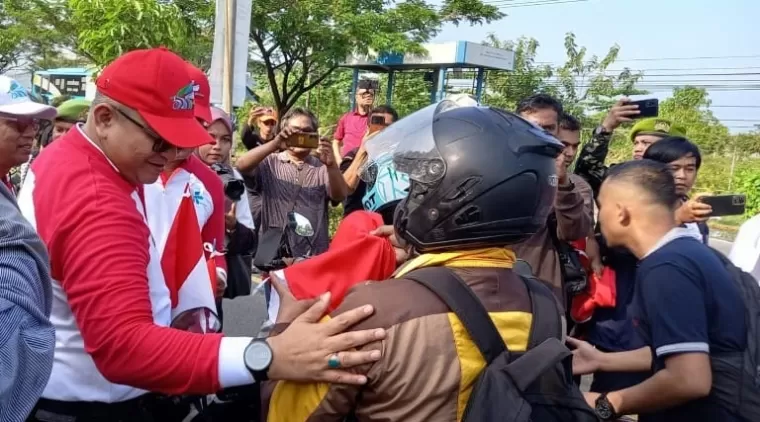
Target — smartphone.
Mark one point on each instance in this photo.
(369, 84)
(376, 124)
(647, 108)
(304, 140)
(725, 204)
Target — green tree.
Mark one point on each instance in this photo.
(584, 84)
(689, 107)
(106, 29)
(506, 89)
(302, 44)
(99, 31)
(27, 40)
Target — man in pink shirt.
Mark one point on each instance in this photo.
(112, 307)
(353, 125)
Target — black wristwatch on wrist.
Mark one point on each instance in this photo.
(604, 409)
(601, 131)
(257, 357)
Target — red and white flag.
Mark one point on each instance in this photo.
(186, 272)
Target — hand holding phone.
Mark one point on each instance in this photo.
(647, 108)
(722, 205)
(304, 140)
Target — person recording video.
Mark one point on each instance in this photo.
(240, 239)
(352, 126)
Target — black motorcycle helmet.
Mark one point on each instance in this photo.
(479, 177)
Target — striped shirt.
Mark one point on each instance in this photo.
(27, 338)
(278, 177)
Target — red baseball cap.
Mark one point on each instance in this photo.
(157, 85)
(202, 93)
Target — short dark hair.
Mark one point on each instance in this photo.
(539, 102)
(300, 112)
(653, 177)
(568, 122)
(385, 109)
(673, 148)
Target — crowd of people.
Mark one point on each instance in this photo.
(491, 238)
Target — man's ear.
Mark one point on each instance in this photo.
(623, 215)
(102, 115)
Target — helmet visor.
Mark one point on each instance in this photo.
(411, 145)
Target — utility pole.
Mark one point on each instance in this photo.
(229, 57)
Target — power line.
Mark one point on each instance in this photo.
(656, 59)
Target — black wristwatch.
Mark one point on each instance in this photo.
(601, 131)
(604, 409)
(257, 357)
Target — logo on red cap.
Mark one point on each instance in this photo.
(185, 97)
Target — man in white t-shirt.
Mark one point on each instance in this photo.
(745, 253)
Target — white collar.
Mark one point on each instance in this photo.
(79, 128)
(673, 234)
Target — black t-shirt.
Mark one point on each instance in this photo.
(353, 201)
(687, 302)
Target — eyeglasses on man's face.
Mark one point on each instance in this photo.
(160, 145)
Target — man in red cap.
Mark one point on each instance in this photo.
(112, 307)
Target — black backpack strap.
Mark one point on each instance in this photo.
(545, 348)
(547, 319)
(526, 369)
(455, 293)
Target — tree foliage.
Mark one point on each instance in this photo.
(302, 42)
(98, 31)
(689, 107)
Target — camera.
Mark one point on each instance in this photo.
(234, 188)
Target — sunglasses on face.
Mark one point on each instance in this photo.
(160, 145)
(23, 123)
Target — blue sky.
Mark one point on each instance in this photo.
(648, 29)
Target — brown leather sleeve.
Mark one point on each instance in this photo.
(572, 218)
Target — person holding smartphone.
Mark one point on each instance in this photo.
(353, 125)
(292, 179)
(591, 159)
(380, 117)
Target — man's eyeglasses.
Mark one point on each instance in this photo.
(160, 145)
(23, 123)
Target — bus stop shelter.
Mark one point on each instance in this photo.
(439, 59)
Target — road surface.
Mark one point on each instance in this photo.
(721, 245)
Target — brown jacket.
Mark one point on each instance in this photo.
(573, 223)
(429, 363)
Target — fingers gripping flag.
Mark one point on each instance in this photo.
(185, 267)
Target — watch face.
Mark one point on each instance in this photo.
(258, 355)
(604, 410)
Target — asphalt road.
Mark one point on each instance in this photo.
(721, 245)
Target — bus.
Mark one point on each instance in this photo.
(75, 82)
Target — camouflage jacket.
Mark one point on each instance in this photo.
(590, 164)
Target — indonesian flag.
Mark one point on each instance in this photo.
(354, 256)
(600, 293)
(187, 273)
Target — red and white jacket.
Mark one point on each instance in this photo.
(112, 307)
(194, 185)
